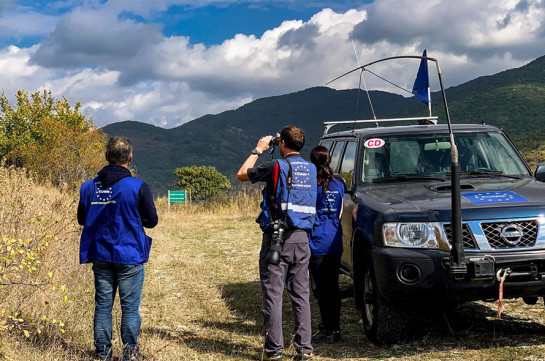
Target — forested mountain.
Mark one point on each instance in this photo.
(513, 99)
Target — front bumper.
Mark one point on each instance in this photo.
(422, 275)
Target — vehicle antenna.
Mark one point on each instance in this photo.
(359, 88)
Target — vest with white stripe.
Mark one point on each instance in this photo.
(300, 201)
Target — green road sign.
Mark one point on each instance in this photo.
(176, 196)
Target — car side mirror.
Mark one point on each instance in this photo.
(343, 181)
(539, 174)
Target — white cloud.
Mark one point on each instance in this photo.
(470, 38)
(87, 82)
(165, 104)
(24, 22)
(7, 5)
(17, 73)
(121, 69)
(478, 28)
(96, 38)
(247, 65)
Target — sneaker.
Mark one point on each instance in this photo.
(325, 336)
(303, 356)
(263, 356)
(103, 353)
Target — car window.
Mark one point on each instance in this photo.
(336, 156)
(429, 156)
(347, 164)
(375, 164)
(404, 155)
(327, 144)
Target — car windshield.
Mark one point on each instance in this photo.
(423, 157)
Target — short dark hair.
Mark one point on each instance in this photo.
(293, 137)
(118, 150)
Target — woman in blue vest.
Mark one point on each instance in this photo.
(325, 241)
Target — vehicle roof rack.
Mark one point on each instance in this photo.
(420, 120)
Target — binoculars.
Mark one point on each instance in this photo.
(275, 141)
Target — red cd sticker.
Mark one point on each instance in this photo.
(374, 143)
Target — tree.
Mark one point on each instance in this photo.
(203, 182)
(50, 138)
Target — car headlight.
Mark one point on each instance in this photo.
(412, 235)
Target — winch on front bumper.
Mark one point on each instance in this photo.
(422, 275)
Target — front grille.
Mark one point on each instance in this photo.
(527, 229)
(467, 238)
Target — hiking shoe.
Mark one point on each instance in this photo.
(103, 353)
(132, 353)
(303, 356)
(325, 336)
(263, 356)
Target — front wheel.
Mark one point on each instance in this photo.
(370, 306)
(383, 322)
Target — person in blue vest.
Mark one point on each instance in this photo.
(326, 248)
(287, 214)
(113, 209)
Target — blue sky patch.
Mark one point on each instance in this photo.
(211, 25)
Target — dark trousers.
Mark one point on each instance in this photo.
(324, 277)
(292, 272)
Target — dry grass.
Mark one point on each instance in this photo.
(37, 212)
(202, 301)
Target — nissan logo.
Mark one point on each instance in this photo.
(511, 234)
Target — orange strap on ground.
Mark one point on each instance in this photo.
(500, 302)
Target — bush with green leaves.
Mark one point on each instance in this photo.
(204, 182)
(50, 138)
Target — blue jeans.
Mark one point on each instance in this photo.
(108, 278)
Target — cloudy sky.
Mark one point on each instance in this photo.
(166, 62)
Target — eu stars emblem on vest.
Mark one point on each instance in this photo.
(104, 194)
(301, 174)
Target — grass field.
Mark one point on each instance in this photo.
(202, 302)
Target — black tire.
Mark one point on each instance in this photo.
(383, 322)
(530, 300)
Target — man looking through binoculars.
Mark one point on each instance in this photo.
(287, 213)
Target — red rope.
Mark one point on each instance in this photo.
(500, 302)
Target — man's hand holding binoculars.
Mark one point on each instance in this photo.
(263, 144)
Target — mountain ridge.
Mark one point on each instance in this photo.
(513, 99)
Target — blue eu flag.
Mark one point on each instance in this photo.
(422, 83)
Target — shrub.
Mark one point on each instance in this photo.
(203, 182)
(50, 138)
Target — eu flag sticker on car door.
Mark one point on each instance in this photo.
(494, 197)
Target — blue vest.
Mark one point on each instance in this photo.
(326, 236)
(113, 230)
(299, 202)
